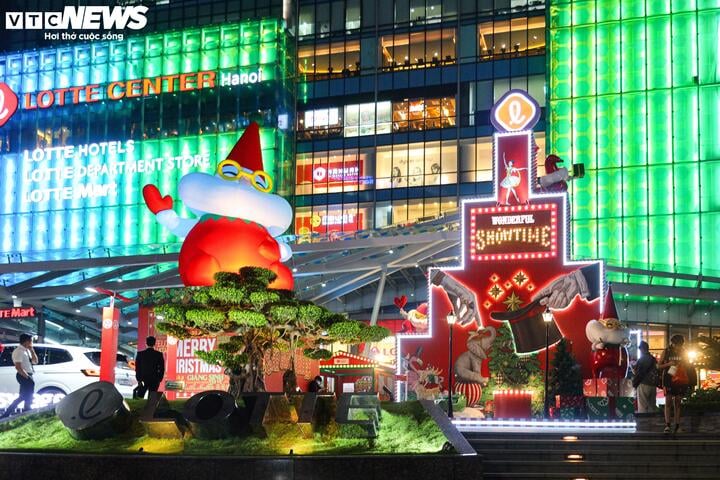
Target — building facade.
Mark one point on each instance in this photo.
(393, 123)
(375, 114)
(633, 94)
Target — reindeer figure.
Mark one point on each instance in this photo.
(427, 386)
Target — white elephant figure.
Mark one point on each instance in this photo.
(468, 365)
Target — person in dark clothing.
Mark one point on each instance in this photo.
(150, 366)
(645, 379)
(316, 385)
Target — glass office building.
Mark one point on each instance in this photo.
(633, 94)
(393, 116)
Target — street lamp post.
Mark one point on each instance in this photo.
(547, 318)
(451, 321)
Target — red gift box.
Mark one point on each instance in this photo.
(569, 401)
(512, 404)
(595, 387)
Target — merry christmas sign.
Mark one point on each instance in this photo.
(515, 265)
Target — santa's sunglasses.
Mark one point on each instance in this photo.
(231, 170)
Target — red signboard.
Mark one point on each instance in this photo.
(18, 312)
(514, 266)
(330, 174)
(334, 221)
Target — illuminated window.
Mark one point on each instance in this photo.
(418, 49)
(319, 123)
(518, 36)
(331, 222)
(335, 171)
(405, 212)
(330, 59)
(368, 119)
(307, 20)
(423, 114)
(416, 165)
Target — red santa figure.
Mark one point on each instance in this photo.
(237, 218)
(416, 320)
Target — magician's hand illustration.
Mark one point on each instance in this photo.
(561, 291)
(462, 298)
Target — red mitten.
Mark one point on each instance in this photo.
(400, 302)
(155, 201)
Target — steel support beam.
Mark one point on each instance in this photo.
(378, 297)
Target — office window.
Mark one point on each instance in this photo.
(418, 49)
(510, 38)
(319, 123)
(307, 20)
(330, 59)
(405, 212)
(352, 15)
(423, 114)
(416, 165)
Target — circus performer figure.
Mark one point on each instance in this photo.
(512, 179)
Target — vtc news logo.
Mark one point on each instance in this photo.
(8, 103)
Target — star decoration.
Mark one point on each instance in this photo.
(487, 304)
(513, 302)
(530, 287)
(508, 285)
(520, 278)
(495, 291)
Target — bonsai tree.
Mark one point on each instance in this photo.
(258, 320)
(565, 377)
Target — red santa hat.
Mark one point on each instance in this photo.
(609, 308)
(247, 150)
(422, 309)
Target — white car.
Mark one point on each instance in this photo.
(61, 369)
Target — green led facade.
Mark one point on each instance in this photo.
(634, 94)
(57, 205)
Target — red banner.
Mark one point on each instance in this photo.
(330, 174)
(328, 223)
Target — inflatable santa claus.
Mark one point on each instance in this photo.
(237, 218)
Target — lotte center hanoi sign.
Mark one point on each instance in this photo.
(514, 265)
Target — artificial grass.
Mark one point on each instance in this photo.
(405, 428)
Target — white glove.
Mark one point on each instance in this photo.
(463, 299)
(561, 292)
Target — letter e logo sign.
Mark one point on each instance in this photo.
(8, 103)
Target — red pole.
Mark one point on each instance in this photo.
(109, 343)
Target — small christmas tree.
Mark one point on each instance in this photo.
(565, 377)
(508, 370)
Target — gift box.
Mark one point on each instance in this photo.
(575, 401)
(595, 387)
(625, 408)
(569, 413)
(598, 408)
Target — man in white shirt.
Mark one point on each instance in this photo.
(23, 357)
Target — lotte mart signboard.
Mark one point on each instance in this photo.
(88, 194)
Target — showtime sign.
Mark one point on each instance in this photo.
(28, 312)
